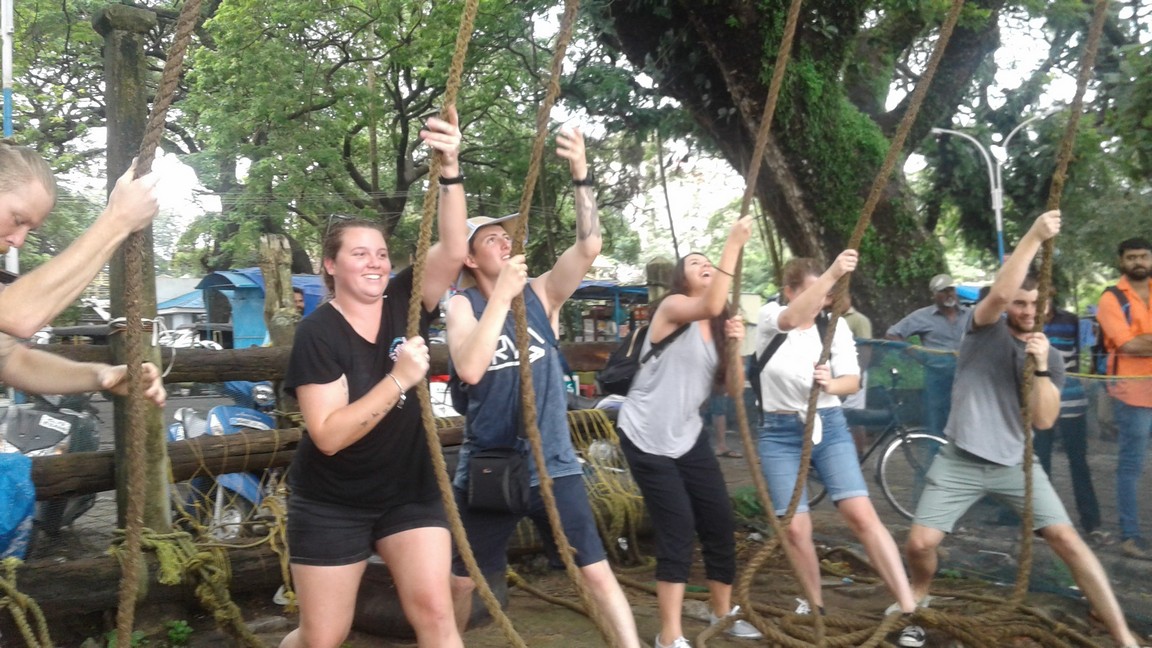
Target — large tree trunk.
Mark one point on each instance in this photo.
(715, 58)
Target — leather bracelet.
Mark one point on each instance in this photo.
(451, 181)
(586, 181)
(403, 396)
(1042, 374)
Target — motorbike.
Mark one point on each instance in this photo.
(50, 425)
(227, 506)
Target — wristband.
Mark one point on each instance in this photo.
(1042, 374)
(403, 396)
(451, 181)
(586, 181)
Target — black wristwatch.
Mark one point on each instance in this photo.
(1042, 374)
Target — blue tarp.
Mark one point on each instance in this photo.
(192, 301)
(244, 289)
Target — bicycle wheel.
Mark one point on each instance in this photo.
(903, 466)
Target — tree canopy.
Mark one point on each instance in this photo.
(293, 111)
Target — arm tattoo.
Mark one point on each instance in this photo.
(587, 218)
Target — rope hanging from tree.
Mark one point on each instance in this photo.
(741, 593)
(527, 391)
(965, 629)
(415, 306)
(1056, 190)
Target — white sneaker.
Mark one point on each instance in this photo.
(922, 603)
(802, 606)
(740, 628)
(679, 642)
(912, 637)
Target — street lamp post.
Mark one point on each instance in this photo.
(995, 167)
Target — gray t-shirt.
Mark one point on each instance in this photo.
(985, 418)
(662, 413)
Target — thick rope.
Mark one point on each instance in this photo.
(415, 309)
(527, 390)
(178, 556)
(21, 606)
(134, 343)
(895, 149)
(735, 378)
(1056, 190)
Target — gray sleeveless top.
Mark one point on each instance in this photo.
(662, 413)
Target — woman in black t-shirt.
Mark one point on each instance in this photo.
(362, 481)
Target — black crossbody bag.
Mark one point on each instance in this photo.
(498, 481)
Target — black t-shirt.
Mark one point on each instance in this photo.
(390, 465)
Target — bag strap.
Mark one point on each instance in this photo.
(822, 321)
(658, 347)
(1125, 308)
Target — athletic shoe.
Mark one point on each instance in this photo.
(895, 607)
(803, 608)
(912, 637)
(740, 628)
(1136, 548)
(680, 642)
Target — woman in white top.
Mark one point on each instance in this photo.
(786, 381)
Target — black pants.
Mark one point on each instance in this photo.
(1074, 435)
(686, 497)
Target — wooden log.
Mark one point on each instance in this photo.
(78, 587)
(270, 363)
(93, 472)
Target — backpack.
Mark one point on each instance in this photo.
(756, 363)
(624, 363)
(1099, 351)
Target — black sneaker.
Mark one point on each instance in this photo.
(912, 637)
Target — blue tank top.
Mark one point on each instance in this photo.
(494, 419)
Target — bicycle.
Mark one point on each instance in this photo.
(906, 452)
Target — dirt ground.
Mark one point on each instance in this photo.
(980, 560)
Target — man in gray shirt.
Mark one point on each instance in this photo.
(940, 327)
(986, 435)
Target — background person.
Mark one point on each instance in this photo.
(939, 327)
(1127, 330)
(662, 437)
(1063, 331)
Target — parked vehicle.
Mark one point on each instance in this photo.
(49, 425)
(227, 506)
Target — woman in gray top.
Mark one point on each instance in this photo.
(660, 434)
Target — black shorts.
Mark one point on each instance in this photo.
(489, 533)
(329, 535)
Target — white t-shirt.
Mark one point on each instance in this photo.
(787, 378)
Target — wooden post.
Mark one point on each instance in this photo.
(280, 314)
(659, 273)
(126, 96)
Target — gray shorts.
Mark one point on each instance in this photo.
(958, 479)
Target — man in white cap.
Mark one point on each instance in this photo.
(482, 346)
(939, 327)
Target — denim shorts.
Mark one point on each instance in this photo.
(330, 535)
(489, 532)
(834, 460)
